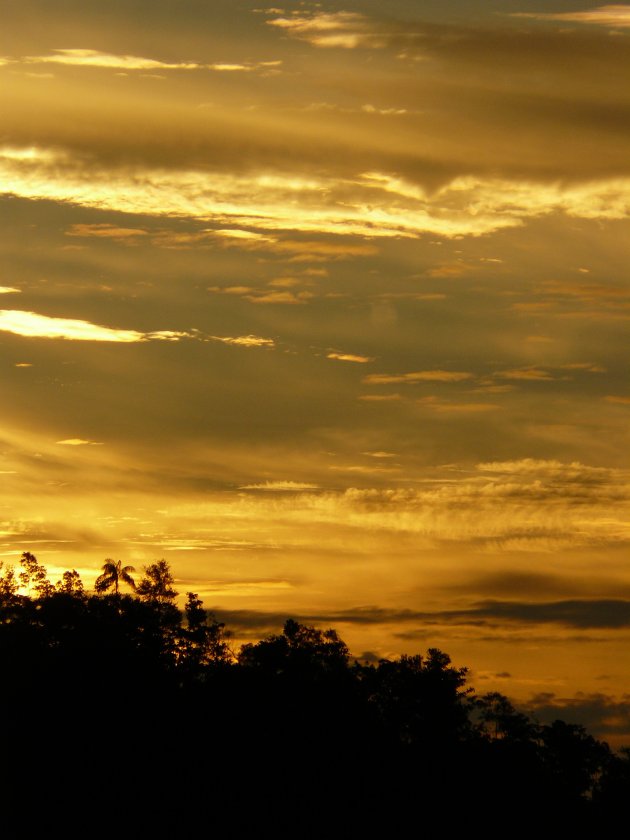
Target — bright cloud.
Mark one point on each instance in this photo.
(335, 29)
(382, 206)
(349, 357)
(111, 61)
(41, 326)
(32, 325)
(245, 340)
(7, 290)
(280, 486)
(78, 442)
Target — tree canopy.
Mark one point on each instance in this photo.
(287, 726)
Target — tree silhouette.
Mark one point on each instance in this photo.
(157, 583)
(33, 574)
(202, 642)
(113, 573)
(70, 583)
(300, 649)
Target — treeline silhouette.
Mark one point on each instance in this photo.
(122, 712)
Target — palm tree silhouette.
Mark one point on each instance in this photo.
(113, 573)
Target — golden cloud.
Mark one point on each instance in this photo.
(78, 442)
(443, 407)
(111, 61)
(282, 486)
(32, 325)
(531, 374)
(285, 298)
(331, 29)
(348, 357)
(245, 340)
(41, 326)
(417, 376)
(282, 202)
(105, 231)
(611, 15)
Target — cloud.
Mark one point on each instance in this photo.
(31, 325)
(282, 486)
(286, 298)
(380, 454)
(272, 201)
(231, 290)
(106, 231)
(8, 290)
(443, 407)
(618, 400)
(361, 469)
(245, 340)
(417, 376)
(531, 374)
(78, 442)
(582, 614)
(41, 326)
(112, 61)
(348, 357)
(611, 15)
(331, 29)
(556, 470)
(603, 715)
(579, 614)
(94, 58)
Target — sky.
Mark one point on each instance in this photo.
(327, 304)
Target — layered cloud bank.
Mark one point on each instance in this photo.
(353, 351)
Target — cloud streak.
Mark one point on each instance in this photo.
(611, 15)
(417, 376)
(381, 207)
(32, 325)
(130, 63)
(349, 357)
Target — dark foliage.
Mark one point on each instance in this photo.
(123, 714)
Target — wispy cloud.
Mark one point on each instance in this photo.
(417, 376)
(530, 374)
(612, 15)
(451, 407)
(572, 472)
(78, 442)
(106, 231)
(264, 202)
(349, 357)
(380, 397)
(244, 340)
(280, 486)
(331, 29)
(379, 453)
(113, 61)
(8, 290)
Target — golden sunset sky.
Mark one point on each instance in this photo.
(327, 304)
